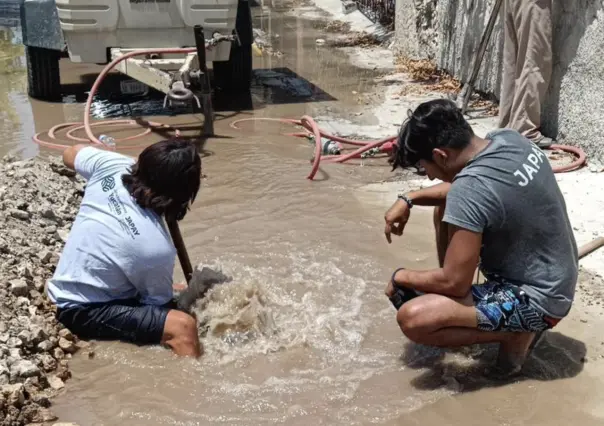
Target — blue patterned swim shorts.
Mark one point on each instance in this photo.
(501, 306)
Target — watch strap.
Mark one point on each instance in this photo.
(406, 200)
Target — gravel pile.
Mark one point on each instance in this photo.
(38, 202)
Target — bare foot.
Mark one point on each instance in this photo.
(513, 352)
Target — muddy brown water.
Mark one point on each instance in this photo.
(303, 335)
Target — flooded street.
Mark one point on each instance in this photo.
(303, 334)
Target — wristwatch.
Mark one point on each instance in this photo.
(406, 200)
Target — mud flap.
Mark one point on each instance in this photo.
(40, 25)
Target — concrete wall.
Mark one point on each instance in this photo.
(449, 31)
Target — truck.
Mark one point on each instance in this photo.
(99, 31)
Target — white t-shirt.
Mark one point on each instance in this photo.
(116, 249)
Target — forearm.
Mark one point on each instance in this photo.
(431, 281)
(69, 155)
(435, 195)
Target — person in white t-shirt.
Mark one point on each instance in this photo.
(114, 278)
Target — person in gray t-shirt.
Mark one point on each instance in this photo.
(499, 207)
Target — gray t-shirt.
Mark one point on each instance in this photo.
(508, 193)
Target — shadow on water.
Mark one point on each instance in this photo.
(555, 357)
(269, 87)
(276, 86)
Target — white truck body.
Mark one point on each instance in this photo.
(92, 27)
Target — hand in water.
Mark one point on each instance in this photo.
(178, 287)
(389, 290)
(396, 218)
(202, 280)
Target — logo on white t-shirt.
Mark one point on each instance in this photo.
(107, 183)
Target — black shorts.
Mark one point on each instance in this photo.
(126, 320)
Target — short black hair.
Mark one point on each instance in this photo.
(166, 178)
(433, 124)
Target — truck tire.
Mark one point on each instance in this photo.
(235, 75)
(43, 75)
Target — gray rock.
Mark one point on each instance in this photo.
(45, 256)
(67, 345)
(18, 287)
(55, 383)
(4, 337)
(14, 342)
(45, 346)
(24, 368)
(14, 394)
(31, 413)
(37, 334)
(22, 205)
(62, 170)
(51, 230)
(48, 362)
(45, 416)
(39, 284)
(62, 235)
(25, 337)
(66, 334)
(19, 214)
(24, 271)
(22, 302)
(48, 213)
(23, 321)
(58, 354)
(4, 248)
(32, 385)
(41, 400)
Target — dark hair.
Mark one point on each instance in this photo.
(166, 178)
(433, 124)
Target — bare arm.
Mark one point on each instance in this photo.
(69, 155)
(435, 195)
(397, 216)
(455, 277)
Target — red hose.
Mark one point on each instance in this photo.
(578, 163)
(309, 124)
(385, 144)
(87, 125)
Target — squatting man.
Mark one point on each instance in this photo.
(498, 207)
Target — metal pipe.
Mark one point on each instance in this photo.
(181, 249)
(206, 92)
(482, 47)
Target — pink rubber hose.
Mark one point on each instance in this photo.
(87, 125)
(309, 124)
(385, 145)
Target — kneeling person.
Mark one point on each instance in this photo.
(499, 204)
(114, 278)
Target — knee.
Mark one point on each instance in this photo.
(412, 322)
(439, 212)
